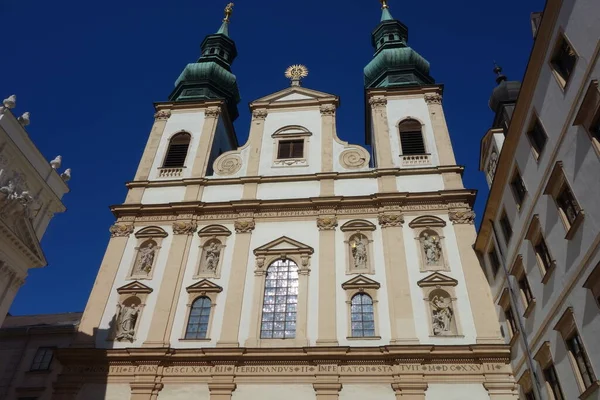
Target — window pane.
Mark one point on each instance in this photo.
(494, 261)
(290, 149)
(552, 379)
(583, 363)
(197, 327)
(506, 228)
(177, 151)
(42, 359)
(543, 253)
(564, 59)
(281, 288)
(362, 318)
(518, 188)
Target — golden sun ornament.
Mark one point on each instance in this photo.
(296, 72)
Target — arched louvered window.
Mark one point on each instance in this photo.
(280, 301)
(362, 316)
(411, 137)
(197, 327)
(178, 148)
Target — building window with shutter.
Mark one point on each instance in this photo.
(569, 210)
(411, 138)
(506, 227)
(494, 260)
(177, 151)
(563, 61)
(518, 271)
(290, 146)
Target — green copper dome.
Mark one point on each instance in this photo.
(210, 77)
(394, 62)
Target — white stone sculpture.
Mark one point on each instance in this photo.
(126, 319)
(213, 254)
(432, 249)
(66, 176)
(55, 164)
(10, 102)
(359, 252)
(8, 190)
(442, 315)
(25, 119)
(145, 259)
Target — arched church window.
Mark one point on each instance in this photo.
(280, 301)
(411, 137)
(177, 151)
(362, 316)
(197, 327)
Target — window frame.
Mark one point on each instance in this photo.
(588, 115)
(407, 121)
(505, 227)
(170, 143)
(518, 271)
(361, 284)
(203, 288)
(509, 316)
(43, 361)
(535, 236)
(558, 184)
(563, 82)
(592, 283)
(536, 121)
(291, 133)
(544, 359)
(494, 260)
(204, 306)
(518, 199)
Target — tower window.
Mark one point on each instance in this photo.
(177, 151)
(411, 137)
(563, 61)
(290, 149)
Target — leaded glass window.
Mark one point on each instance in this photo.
(197, 327)
(362, 316)
(280, 301)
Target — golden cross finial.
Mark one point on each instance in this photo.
(228, 12)
(384, 4)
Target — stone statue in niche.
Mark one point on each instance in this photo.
(359, 252)
(432, 248)
(126, 319)
(442, 315)
(212, 254)
(145, 259)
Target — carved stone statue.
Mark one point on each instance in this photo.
(126, 319)
(212, 254)
(359, 252)
(432, 249)
(442, 315)
(145, 259)
(8, 190)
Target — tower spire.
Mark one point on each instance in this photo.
(500, 77)
(385, 11)
(224, 29)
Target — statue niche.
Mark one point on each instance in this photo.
(442, 313)
(145, 258)
(126, 319)
(358, 248)
(211, 255)
(431, 246)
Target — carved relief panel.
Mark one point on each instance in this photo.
(358, 240)
(212, 248)
(430, 242)
(149, 242)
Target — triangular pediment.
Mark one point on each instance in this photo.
(134, 287)
(360, 282)
(17, 229)
(437, 279)
(293, 94)
(284, 245)
(204, 286)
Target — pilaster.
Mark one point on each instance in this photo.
(402, 321)
(90, 321)
(480, 296)
(255, 138)
(221, 390)
(381, 132)
(65, 390)
(440, 129)
(327, 333)
(327, 135)
(237, 279)
(502, 390)
(200, 162)
(410, 390)
(145, 390)
(163, 314)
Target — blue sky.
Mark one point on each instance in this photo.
(89, 72)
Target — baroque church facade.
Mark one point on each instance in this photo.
(296, 265)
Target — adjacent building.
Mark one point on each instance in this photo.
(539, 236)
(31, 190)
(296, 265)
(27, 346)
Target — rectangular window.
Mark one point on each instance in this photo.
(567, 204)
(510, 320)
(581, 359)
(412, 142)
(552, 381)
(290, 149)
(505, 226)
(518, 188)
(537, 137)
(543, 254)
(42, 359)
(494, 261)
(563, 60)
(525, 290)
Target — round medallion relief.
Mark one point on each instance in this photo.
(354, 158)
(228, 164)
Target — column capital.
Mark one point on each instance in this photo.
(260, 114)
(327, 388)
(184, 227)
(462, 216)
(378, 102)
(212, 112)
(327, 109)
(162, 114)
(390, 220)
(244, 226)
(410, 388)
(121, 230)
(433, 98)
(327, 223)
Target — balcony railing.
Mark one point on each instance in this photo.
(170, 172)
(413, 160)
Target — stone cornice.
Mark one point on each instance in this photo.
(337, 205)
(296, 178)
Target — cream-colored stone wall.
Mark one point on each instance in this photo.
(273, 392)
